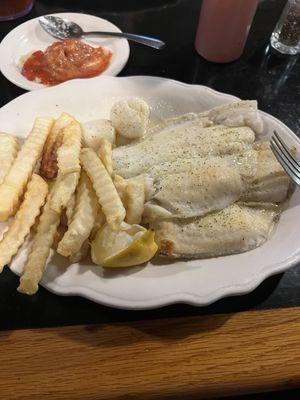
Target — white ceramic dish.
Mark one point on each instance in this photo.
(29, 37)
(161, 282)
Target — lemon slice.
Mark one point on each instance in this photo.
(131, 246)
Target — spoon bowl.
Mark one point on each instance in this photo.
(60, 28)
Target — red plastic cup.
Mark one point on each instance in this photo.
(223, 28)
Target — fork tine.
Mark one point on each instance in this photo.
(294, 177)
(287, 160)
(286, 151)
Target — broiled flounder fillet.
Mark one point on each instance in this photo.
(234, 229)
(185, 138)
(270, 183)
(194, 192)
(245, 163)
(238, 113)
(194, 187)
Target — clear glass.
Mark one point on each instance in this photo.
(223, 28)
(286, 35)
(12, 9)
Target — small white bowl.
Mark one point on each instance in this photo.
(29, 37)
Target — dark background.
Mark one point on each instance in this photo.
(260, 74)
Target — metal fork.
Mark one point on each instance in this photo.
(285, 158)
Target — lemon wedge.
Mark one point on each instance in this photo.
(131, 246)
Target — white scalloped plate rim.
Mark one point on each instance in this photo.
(187, 294)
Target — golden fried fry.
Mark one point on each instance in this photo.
(14, 237)
(49, 167)
(67, 213)
(70, 208)
(135, 200)
(9, 146)
(83, 219)
(62, 121)
(121, 185)
(59, 234)
(80, 254)
(68, 167)
(65, 188)
(63, 218)
(40, 249)
(105, 153)
(99, 222)
(69, 152)
(21, 170)
(108, 196)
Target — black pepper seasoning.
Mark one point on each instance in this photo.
(290, 31)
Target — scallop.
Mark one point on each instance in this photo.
(130, 117)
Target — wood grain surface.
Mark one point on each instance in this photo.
(180, 358)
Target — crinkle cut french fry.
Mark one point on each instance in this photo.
(68, 167)
(69, 152)
(40, 249)
(121, 185)
(65, 188)
(67, 213)
(60, 194)
(14, 237)
(83, 219)
(108, 196)
(61, 230)
(21, 170)
(105, 153)
(63, 218)
(49, 167)
(135, 200)
(80, 254)
(62, 122)
(99, 222)
(70, 208)
(9, 146)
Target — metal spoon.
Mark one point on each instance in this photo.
(62, 29)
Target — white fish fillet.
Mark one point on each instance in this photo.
(194, 192)
(185, 138)
(234, 229)
(191, 135)
(245, 163)
(194, 187)
(195, 168)
(270, 183)
(238, 113)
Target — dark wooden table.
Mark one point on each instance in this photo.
(70, 348)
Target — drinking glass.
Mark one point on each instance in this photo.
(286, 35)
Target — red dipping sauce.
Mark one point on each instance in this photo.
(65, 60)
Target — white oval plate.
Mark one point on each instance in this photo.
(161, 282)
(29, 37)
